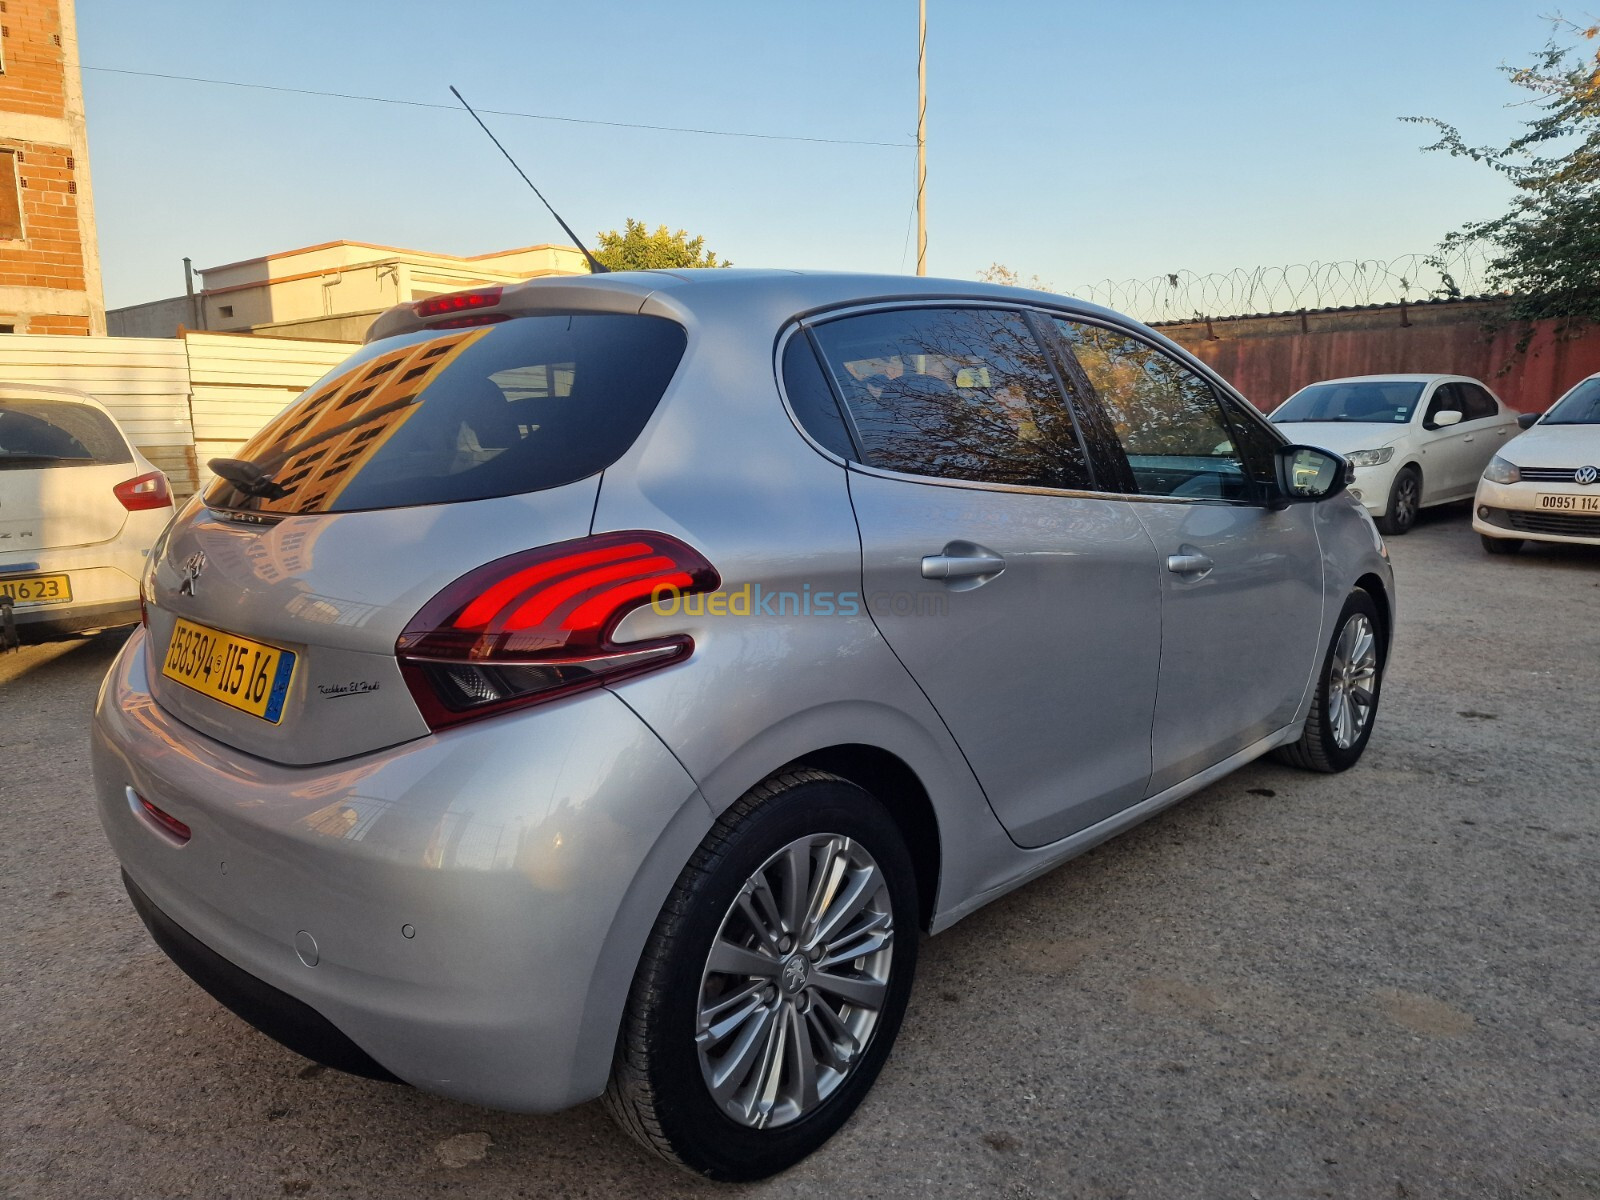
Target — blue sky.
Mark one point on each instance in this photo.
(1077, 141)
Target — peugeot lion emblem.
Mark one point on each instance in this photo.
(192, 566)
(1586, 475)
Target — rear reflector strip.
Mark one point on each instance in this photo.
(163, 823)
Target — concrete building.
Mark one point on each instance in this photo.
(332, 291)
(49, 254)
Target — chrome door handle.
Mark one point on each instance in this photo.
(1469, 437)
(1189, 564)
(962, 565)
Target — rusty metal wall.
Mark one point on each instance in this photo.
(1269, 358)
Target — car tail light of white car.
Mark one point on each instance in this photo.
(143, 492)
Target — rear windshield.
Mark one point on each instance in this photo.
(441, 416)
(1386, 402)
(1580, 406)
(57, 433)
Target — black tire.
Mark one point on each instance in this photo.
(1405, 499)
(1318, 748)
(1495, 545)
(657, 1091)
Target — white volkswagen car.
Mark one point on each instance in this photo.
(1414, 440)
(1546, 488)
(79, 511)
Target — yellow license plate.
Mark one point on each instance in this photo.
(244, 674)
(37, 589)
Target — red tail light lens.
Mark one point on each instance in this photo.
(457, 302)
(538, 625)
(145, 491)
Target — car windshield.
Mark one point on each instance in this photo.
(57, 433)
(1385, 402)
(1580, 406)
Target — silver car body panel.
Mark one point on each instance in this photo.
(530, 876)
(336, 589)
(539, 846)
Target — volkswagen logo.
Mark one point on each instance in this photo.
(1586, 475)
(192, 566)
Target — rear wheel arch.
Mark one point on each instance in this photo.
(893, 783)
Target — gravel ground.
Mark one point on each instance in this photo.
(1380, 984)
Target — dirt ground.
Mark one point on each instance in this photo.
(1380, 984)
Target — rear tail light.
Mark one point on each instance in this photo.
(537, 625)
(144, 491)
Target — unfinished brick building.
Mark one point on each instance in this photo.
(49, 255)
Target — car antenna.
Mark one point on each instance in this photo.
(596, 267)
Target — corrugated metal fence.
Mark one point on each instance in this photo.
(181, 401)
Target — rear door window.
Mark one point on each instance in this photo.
(441, 416)
(36, 433)
(1477, 404)
(955, 393)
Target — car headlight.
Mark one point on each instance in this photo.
(1370, 458)
(1501, 470)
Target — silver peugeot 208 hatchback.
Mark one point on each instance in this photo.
(595, 686)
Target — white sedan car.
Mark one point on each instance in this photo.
(1546, 487)
(79, 511)
(1414, 440)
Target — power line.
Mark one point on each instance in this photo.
(499, 112)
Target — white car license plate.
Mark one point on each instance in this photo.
(1568, 503)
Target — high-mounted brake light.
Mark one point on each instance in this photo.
(538, 625)
(145, 491)
(457, 302)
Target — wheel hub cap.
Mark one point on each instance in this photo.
(1352, 681)
(795, 980)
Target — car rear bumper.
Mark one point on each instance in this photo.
(466, 911)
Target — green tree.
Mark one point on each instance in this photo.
(1545, 252)
(637, 249)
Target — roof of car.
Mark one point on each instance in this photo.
(50, 392)
(777, 295)
(1412, 378)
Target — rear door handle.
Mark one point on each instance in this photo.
(1469, 437)
(963, 566)
(966, 565)
(1189, 563)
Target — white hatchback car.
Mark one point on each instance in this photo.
(1414, 440)
(1546, 488)
(79, 511)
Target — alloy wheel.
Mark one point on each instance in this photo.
(795, 981)
(1352, 681)
(1405, 502)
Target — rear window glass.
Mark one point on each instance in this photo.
(56, 433)
(440, 416)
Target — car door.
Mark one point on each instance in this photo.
(1241, 576)
(1025, 604)
(1450, 453)
(1489, 426)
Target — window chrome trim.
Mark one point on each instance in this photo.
(802, 322)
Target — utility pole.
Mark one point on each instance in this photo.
(922, 137)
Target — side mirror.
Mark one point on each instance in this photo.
(1446, 416)
(1527, 420)
(1307, 473)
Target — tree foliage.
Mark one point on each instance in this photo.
(1545, 251)
(1006, 277)
(637, 249)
